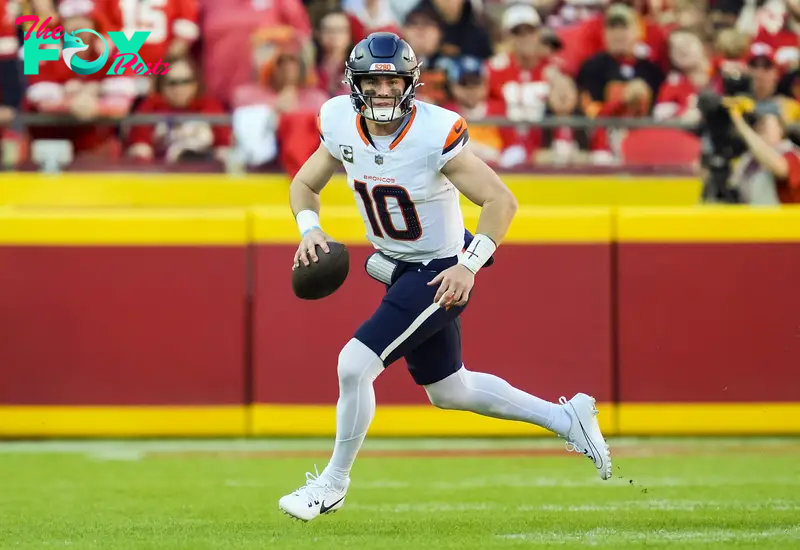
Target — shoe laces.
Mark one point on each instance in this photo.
(571, 446)
(313, 488)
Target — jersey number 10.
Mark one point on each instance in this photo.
(377, 201)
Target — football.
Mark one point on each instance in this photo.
(324, 277)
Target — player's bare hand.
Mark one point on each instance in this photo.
(308, 247)
(455, 284)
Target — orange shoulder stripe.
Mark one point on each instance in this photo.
(457, 133)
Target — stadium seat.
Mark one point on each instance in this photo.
(660, 147)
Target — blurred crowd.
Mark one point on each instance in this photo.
(272, 63)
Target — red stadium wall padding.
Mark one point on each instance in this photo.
(540, 317)
(709, 322)
(162, 325)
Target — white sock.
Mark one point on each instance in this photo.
(358, 368)
(490, 395)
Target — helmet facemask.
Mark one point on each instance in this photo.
(363, 103)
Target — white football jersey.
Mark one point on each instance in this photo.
(410, 210)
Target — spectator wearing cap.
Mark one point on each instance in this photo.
(616, 82)
(765, 75)
(520, 77)
(769, 173)
(333, 45)
(692, 72)
(777, 24)
(423, 30)
(468, 84)
(464, 31)
(587, 39)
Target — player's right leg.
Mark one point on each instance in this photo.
(405, 317)
(358, 368)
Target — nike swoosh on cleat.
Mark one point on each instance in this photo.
(323, 509)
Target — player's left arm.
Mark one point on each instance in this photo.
(481, 185)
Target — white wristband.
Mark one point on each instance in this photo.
(306, 221)
(478, 253)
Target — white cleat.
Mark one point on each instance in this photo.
(584, 434)
(318, 496)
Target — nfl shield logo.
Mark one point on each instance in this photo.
(378, 159)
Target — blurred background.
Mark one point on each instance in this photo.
(145, 235)
(538, 80)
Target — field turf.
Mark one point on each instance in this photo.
(406, 494)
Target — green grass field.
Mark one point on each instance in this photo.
(406, 494)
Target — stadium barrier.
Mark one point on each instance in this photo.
(182, 322)
(217, 190)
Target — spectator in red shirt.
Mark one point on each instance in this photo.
(520, 78)
(368, 16)
(565, 13)
(777, 24)
(9, 11)
(179, 92)
(333, 47)
(692, 72)
(58, 90)
(173, 27)
(587, 39)
(230, 28)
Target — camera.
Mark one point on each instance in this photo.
(721, 143)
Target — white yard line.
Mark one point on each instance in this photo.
(605, 536)
(621, 506)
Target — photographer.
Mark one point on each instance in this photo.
(769, 172)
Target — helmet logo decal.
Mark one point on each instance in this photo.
(382, 67)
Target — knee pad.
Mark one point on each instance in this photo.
(358, 363)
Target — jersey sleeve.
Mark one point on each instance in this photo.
(454, 143)
(325, 124)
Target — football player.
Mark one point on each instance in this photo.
(406, 162)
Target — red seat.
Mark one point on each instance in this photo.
(660, 146)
